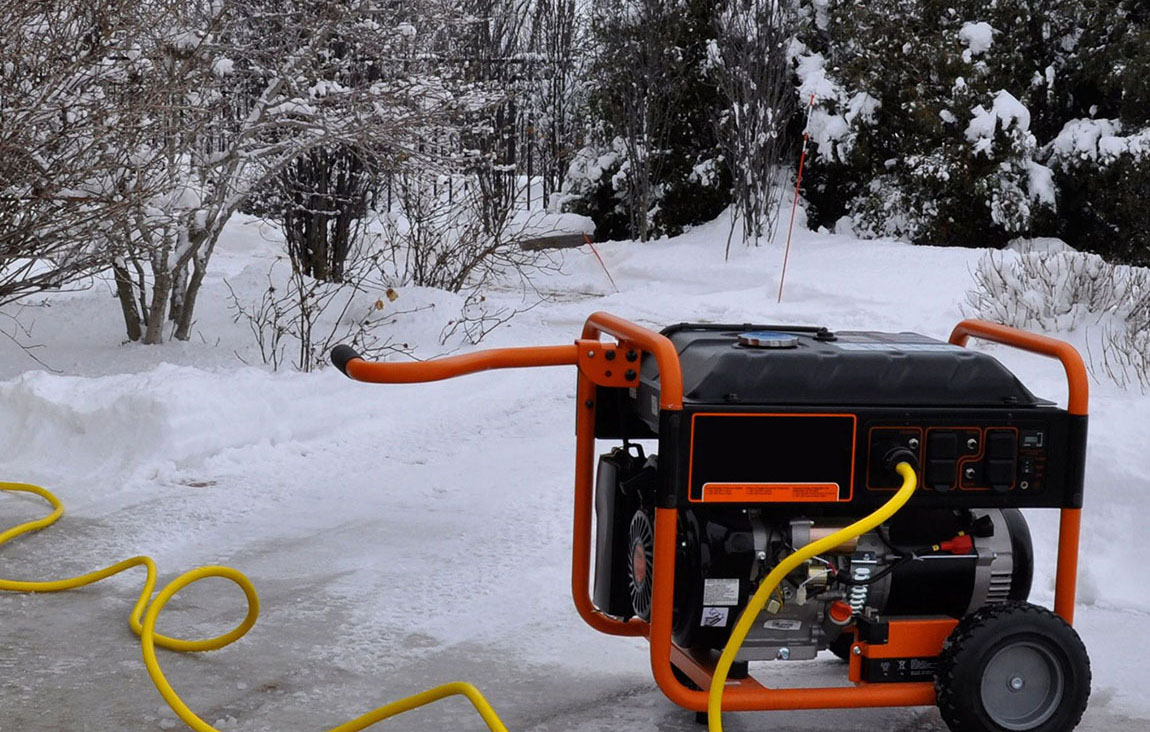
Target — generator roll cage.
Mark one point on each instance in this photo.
(604, 364)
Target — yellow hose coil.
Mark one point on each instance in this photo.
(149, 638)
(785, 567)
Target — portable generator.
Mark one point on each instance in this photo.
(734, 446)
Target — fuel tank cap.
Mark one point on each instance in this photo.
(768, 339)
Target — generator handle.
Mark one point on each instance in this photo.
(656, 344)
(354, 366)
(1070, 521)
(1076, 375)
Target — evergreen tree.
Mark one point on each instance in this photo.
(651, 168)
(970, 123)
(1101, 153)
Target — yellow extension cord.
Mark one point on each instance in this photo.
(149, 639)
(785, 567)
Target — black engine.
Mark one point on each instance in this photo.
(924, 562)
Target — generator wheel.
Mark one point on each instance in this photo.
(1013, 666)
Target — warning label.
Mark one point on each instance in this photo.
(714, 617)
(721, 592)
(771, 492)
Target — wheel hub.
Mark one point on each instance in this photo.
(1022, 685)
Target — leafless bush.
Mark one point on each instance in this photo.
(753, 72)
(1126, 347)
(465, 242)
(1055, 291)
(311, 316)
(1062, 290)
(1126, 353)
(62, 151)
(131, 132)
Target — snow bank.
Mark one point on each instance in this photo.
(130, 423)
(1042, 244)
(527, 224)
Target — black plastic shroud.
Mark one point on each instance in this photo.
(825, 413)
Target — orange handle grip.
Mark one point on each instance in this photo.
(1034, 343)
(356, 367)
(437, 369)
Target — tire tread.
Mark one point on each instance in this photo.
(952, 708)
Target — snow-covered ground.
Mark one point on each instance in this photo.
(403, 536)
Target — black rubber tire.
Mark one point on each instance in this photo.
(978, 640)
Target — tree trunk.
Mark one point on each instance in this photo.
(317, 255)
(161, 291)
(199, 268)
(644, 200)
(179, 289)
(128, 304)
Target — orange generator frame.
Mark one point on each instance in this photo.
(616, 363)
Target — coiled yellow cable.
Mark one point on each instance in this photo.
(785, 567)
(149, 638)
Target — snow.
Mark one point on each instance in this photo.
(186, 40)
(978, 37)
(1098, 140)
(1005, 111)
(822, 14)
(1040, 183)
(812, 73)
(1040, 244)
(862, 105)
(25, 268)
(403, 536)
(295, 107)
(1079, 137)
(223, 67)
(828, 128)
(524, 224)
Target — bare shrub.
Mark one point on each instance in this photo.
(1059, 291)
(310, 316)
(1126, 348)
(1126, 355)
(1055, 291)
(752, 68)
(467, 241)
